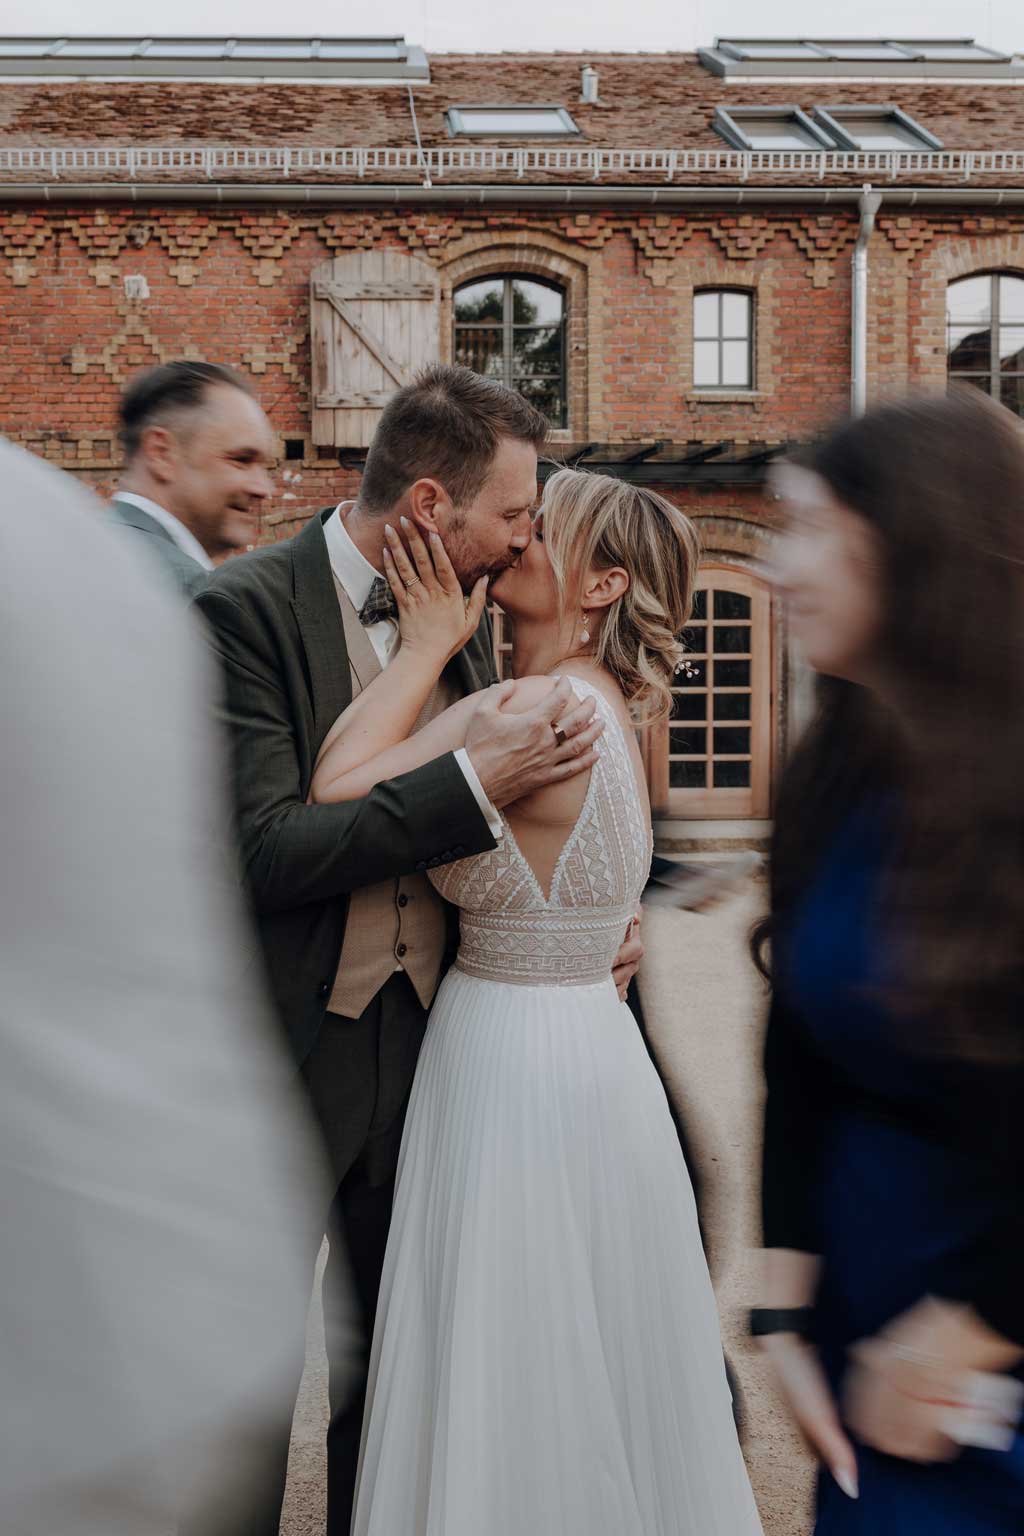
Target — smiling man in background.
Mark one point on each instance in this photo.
(198, 451)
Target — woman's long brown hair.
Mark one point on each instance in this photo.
(941, 480)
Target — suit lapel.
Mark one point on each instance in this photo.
(318, 616)
(126, 512)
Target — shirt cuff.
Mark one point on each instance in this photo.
(486, 808)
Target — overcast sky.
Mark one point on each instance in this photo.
(526, 24)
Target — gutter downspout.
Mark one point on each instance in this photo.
(869, 204)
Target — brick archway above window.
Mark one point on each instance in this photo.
(527, 255)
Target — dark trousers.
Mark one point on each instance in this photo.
(357, 1078)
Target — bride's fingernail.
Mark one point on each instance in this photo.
(388, 528)
(847, 1482)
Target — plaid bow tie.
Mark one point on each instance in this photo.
(380, 604)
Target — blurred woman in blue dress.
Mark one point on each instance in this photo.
(893, 1303)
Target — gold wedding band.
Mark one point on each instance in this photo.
(559, 736)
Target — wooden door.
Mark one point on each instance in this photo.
(712, 758)
(374, 320)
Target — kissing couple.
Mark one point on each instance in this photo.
(445, 873)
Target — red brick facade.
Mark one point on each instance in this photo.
(231, 283)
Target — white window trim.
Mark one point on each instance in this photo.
(845, 139)
(457, 128)
(728, 123)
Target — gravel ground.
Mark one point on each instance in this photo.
(704, 1006)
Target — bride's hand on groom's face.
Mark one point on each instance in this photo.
(435, 617)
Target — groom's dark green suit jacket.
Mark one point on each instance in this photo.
(277, 628)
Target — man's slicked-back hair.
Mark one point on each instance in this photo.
(444, 426)
(154, 397)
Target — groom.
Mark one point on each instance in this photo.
(354, 937)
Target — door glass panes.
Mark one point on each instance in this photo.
(513, 329)
(985, 336)
(723, 353)
(710, 731)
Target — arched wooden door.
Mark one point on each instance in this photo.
(712, 758)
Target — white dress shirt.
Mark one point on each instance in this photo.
(182, 536)
(357, 575)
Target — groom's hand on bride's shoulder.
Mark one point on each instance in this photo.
(512, 741)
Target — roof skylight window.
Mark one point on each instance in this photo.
(511, 122)
(868, 128)
(754, 128)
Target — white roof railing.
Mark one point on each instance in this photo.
(524, 163)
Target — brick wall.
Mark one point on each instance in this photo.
(233, 286)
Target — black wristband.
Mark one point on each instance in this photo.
(766, 1320)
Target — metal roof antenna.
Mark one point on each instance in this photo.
(424, 164)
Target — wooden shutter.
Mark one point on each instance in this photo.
(374, 319)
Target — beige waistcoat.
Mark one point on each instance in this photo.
(399, 924)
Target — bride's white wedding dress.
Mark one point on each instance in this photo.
(547, 1359)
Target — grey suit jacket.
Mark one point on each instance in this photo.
(188, 575)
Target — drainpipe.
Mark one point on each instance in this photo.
(869, 203)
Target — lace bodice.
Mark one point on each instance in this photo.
(511, 933)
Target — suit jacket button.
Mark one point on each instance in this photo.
(402, 951)
(403, 900)
(324, 989)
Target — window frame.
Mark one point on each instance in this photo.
(994, 373)
(845, 139)
(719, 290)
(728, 124)
(457, 128)
(508, 327)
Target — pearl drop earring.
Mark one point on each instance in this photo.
(585, 631)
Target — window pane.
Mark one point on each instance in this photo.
(732, 674)
(535, 304)
(700, 604)
(731, 776)
(777, 133)
(1011, 393)
(282, 50)
(736, 315)
(773, 50)
(695, 639)
(537, 352)
(109, 49)
(690, 706)
(511, 121)
(187, 50)
(968, 349)
(546, 395)
(736, 363)
(688, 738)
(732, 605)
(732, 739)
(480, 302)
(866, 52)
(732, 637)
(1011, 299)
(731, 706)
(1011, 348)
(705, 314)
(876, 133)
(969, 302)
(689, 775)
(705, 363)
(481, 350)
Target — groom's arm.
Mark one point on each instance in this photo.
(294, 853)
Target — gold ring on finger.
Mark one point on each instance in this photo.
(559, 736)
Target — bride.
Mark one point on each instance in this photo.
(546, 1360)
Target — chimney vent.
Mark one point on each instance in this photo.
(588, 86)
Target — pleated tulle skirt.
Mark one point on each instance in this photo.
(547, 1359)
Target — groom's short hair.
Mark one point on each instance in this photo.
(444, 426)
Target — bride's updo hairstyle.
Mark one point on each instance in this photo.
(592, 522)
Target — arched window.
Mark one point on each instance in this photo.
(513, 329)
(712, 757)
(723, 339)
(985, 335)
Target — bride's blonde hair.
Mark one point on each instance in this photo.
(592, 522)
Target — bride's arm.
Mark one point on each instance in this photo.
(435, 622)
(445, 734)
